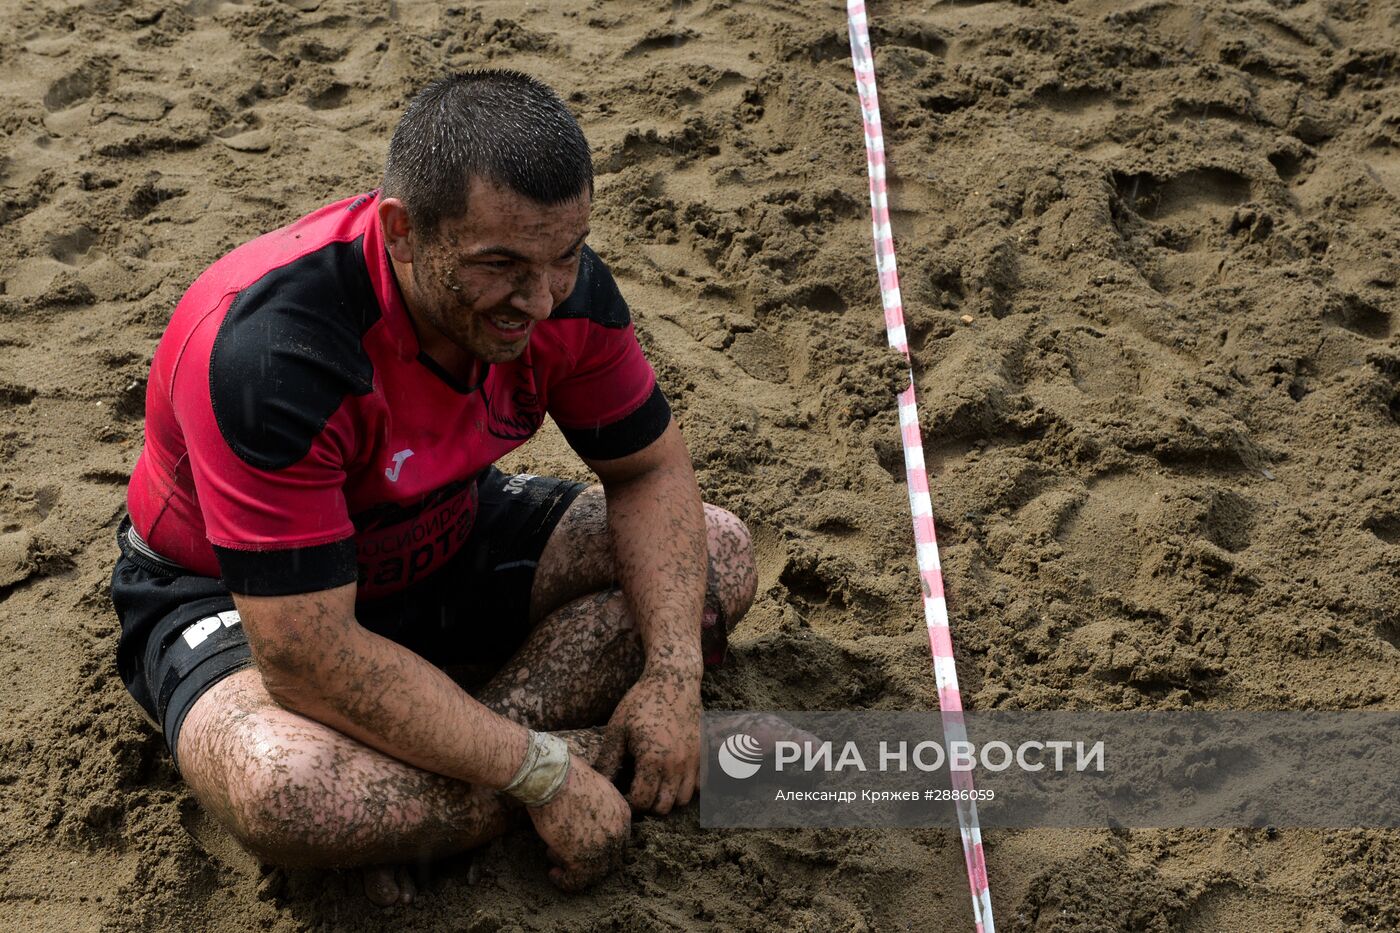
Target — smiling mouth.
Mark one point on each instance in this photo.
(509, 325)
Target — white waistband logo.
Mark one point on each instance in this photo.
(198, 633)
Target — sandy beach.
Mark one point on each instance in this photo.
(1150, 258)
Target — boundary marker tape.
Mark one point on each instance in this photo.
(916, 475)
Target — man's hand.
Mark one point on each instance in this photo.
(586, 828)
(660, 722)
(659, 543)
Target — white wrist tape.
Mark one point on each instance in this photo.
(542, 774)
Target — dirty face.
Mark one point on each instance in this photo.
(482, 282)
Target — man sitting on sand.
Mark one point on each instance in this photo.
(317, 533)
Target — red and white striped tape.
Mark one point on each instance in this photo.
(925, 538)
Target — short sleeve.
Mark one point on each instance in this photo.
(267, 432)
(610, 404)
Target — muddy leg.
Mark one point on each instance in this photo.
(300, 794)
(560, 680)
(297, 793)
(578, 560)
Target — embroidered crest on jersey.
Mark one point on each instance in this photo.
(513, 415)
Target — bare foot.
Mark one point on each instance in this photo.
(765, 728)
(389, 885)
(600, 746)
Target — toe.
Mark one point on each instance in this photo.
(381, 885)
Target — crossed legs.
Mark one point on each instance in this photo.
(297, 793)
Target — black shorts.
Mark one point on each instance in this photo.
(181, 634)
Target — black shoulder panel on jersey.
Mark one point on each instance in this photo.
(595, 295)
(289, 351)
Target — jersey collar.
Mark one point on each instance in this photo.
(386, 286)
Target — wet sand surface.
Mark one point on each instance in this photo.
(1149, 253)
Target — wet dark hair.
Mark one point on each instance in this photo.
(498, 125)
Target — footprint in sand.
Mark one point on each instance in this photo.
(246, 134)
(1360, 316)
(1198, 190)
(334, 96)
(73, 248)
(24, 554)
(76, 86)
(1384, 167)
(1385, 526)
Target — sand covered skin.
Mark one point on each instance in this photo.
(1166, 448)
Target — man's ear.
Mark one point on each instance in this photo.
(397, 229)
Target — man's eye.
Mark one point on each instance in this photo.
(498, 263)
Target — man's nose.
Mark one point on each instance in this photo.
(533, 296)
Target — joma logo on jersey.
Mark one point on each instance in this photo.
(393, 471)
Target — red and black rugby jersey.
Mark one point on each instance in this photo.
(297, 438)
